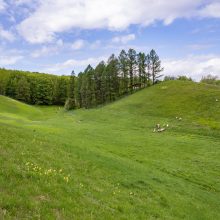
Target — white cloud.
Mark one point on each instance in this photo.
(193, 66)
(44, 51)
(9, 56)
(6, 35)
(200, 46)
(212, 10)
(2, 5)
(48, 50)
(55, 16)
(78, 44)
(95, 44)
(123, 39)
(6, 60)
(71, 64)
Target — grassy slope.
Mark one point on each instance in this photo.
(119, 168)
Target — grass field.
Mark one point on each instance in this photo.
(107, 163)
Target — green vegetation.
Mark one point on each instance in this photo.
(104, 84)
(107, 163)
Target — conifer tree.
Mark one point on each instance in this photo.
(100, 83)
(155, 66)
(70, 102)
(132, 66)
(141, 60)
(123, 66)
(113, 77)
(148, 70)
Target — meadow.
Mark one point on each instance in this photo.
(107, 163)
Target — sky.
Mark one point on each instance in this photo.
(58, 36)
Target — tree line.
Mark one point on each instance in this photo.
(107, 82)
(34, 88)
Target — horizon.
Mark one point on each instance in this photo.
(57, 37)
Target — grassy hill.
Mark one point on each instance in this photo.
(107, 163)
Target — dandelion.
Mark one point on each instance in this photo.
(66, 178)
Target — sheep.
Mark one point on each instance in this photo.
(161, 129)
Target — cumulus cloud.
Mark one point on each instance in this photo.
(212, 10)
(123, 39)
(54, 16)
(71, 64)
(2, 5)
(193, 66)
(6, 35)
(9, 56)
(44, 51)
(6, 60)
(78, 44)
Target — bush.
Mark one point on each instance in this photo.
(210, 79)
(184, 78)
(70, 104)
(168, 78)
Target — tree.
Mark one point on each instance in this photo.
(142, 75)
(210, 79)
(155, 66)
(60, 90)
(123, 67)
(100, 83)
(88, 88)
(23, 90)
(132, 66)
(70, 102)
(112, 71)
(78, 90)
(148, 70)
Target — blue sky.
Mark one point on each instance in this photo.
(56, 36)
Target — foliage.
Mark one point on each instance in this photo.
(34, 88)
(117, 168)
(184, 78)
(155, 65)
(168, 78)
(210, 79)
(128, 72)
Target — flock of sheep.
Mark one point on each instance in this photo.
(159, 128)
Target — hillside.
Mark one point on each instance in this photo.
(107, 163)
(12, 108)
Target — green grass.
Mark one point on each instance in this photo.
(117, 167)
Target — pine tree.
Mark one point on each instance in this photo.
(123, 65)
(155, 66)
(148, 70)
(100, 83)
(88, 88)
(60, 90)
(113, 78)
(78, 90)
(70, 102)
(141, 60)
(132, 66)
